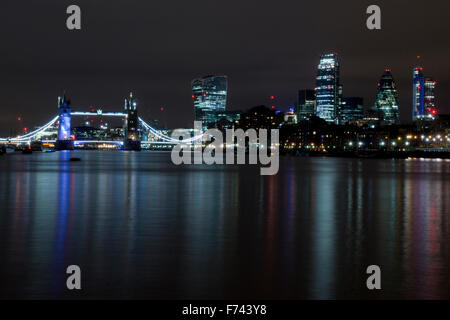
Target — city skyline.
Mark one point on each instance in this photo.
(210, 93)
(340, 94)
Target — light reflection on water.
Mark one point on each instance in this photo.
(140, 227)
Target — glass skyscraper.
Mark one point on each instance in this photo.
(210, 97)
(328, 88)
(418, 93)
(424, 106)
(306, 105)
(387, 98)
(352, 109)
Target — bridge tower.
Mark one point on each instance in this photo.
(132, 141)
(64, 141)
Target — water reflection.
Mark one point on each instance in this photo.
(140, 227)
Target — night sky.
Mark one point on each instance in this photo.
(155, 49)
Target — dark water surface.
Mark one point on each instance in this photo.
(140, 227)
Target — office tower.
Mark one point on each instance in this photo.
(424, 106)
(306, 104)
(328, 88)
(429, 99)
(418, 93)
(352, 109)
(339, 103)
(210, 97)
(387, 98)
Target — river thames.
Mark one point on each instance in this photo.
(140, 227)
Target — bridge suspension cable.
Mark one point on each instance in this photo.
(167, 138)
(29, 136)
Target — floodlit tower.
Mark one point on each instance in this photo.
(424, 106)
(210, 97)
(132, 141)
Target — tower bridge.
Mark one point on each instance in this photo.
(133, 127)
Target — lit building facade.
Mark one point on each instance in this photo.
(210, 97)
(424, 105)
(387, 98)
(64, 119)
(306, 104)
(352, 109)
(430, 99)
(328, 88)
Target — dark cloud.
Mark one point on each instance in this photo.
(155, 48)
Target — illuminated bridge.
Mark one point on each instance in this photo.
(135, 128)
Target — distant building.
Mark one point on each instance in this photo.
(328, 88)
(443, 123)
(424, 105)
(228, 115)
(306, 104)
(290, 117)
(210, 97)
(89, 133)
(352, 109)
(387, 98)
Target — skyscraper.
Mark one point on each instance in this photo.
(306, 105)
(352, 109)
(328, 88)
(210, 97)
(424, 106)
(418, 93)
(387, 98)
(429, 97)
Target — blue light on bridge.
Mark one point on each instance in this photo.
(64, 127)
